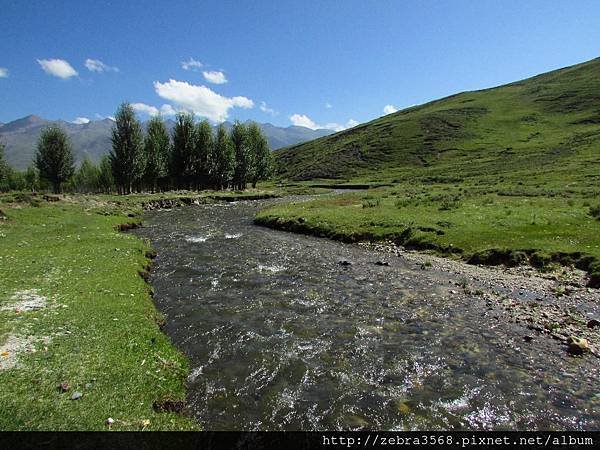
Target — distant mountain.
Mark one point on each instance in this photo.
(93, 138)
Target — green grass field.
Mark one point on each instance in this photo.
(490, 227)
(97, 330)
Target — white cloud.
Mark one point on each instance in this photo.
(167, 110)
(302, 120)
(58, 68)
(95, 65)
(389, 109)
(146, 109)
(215, 77)
(81, 120)
(328, 105)
(200, 99)
(3, 72)
(264, 108)
(191, 64)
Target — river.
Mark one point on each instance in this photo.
(291, 332)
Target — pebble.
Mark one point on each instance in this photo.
(76, 395)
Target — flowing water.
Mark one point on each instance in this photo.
(282, 336)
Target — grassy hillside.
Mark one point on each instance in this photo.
(543, 130)
(508, 175)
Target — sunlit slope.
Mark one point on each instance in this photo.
(545, 127)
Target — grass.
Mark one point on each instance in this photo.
(98, 331)
(467, 222)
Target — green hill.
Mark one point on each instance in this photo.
(545, 125)
(508, 175)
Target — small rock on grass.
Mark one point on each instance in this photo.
(76, 395)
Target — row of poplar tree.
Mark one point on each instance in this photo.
(193, 157)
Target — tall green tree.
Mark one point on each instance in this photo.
(239, 140)
(223, 159)
(106, 181)
(87, 177)
(183, 151)
(260, 155)
(54, 157)
(203, 152)
(156, 149)
(127, 156)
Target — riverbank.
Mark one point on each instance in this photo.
(509, 227)
(81, 346)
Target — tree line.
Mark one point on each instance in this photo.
(193, 156)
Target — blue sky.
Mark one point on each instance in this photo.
(321, 63)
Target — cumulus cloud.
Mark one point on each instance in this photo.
(3, 72)
(200, 99)
(215, 77)
(389, 109)
(58, 68)
(191, 64)
(146, 109)
(167, 110)
(302, 120)
(95, 65)
(264, 108)
(81, 120)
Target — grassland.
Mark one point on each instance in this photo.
(75, 311)
(480, 226)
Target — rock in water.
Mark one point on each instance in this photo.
(345, 263)
(577, 346)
